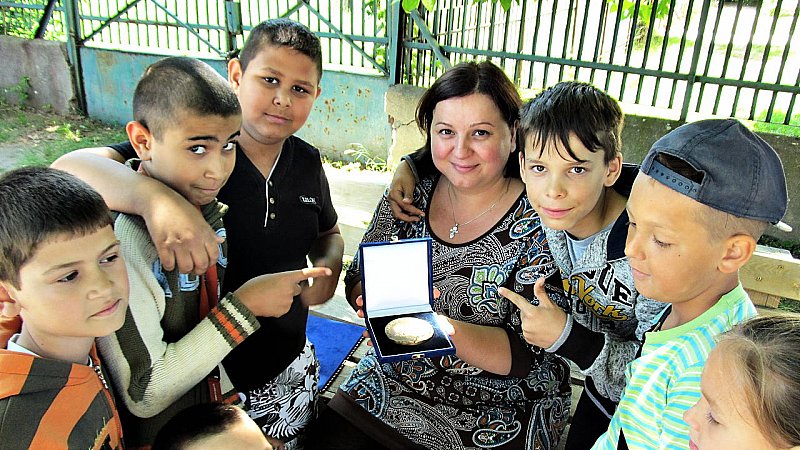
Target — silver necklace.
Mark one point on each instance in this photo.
(454, 229)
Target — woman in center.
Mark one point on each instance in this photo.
(496, 391)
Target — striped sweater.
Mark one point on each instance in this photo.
(51, 404)
(664, 381)
(161, 357)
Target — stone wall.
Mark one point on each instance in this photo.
(44, 65)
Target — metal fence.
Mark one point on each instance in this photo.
(671, 58)
(353, 33)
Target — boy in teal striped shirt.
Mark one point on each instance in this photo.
(704, 195)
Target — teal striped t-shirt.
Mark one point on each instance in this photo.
(664, 381)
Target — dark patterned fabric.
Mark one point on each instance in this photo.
(443, 402)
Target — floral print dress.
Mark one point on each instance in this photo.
(443, 402)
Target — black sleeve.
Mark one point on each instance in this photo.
(582, 345)
(423, 162)
(125, 149)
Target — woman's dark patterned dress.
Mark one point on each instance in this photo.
(442, 402)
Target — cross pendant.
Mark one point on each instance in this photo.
(454, 231)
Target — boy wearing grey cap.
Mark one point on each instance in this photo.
(704, 195)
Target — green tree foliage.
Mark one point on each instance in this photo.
(22, 18)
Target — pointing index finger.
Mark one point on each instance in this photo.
(313, 272)
(518, 300)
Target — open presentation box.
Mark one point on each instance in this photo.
(397, 281)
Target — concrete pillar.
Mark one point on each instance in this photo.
(401, 106)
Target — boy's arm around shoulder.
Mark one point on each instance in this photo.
(180, 233)
(148, 372)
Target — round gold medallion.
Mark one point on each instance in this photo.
(409, 331)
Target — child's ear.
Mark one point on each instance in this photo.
(522, 164)
(514, 129)
(235, 74)
(614, 170)
(140, 138)
(319, 91)
(737, 251)
(8, 306)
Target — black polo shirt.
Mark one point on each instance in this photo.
(271, 230)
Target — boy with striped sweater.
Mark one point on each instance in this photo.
(167, 355)
(704, 195)
(60, 271)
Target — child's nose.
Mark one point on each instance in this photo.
(555, 188)
(102, 284)
(632, 246)
(282, 98)
(216, 168)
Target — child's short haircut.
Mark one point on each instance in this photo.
(176, 85)
(38, 203)
(196, 422)
(573, 107)
(725, 166)
(282, 33)
(762, 354)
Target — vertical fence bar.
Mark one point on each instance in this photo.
(646, 55)
(663, 55)
(74, 44)
(695, 57)
(710, 54)
(582, 36)
(520, 44)
(746, 60)
(764, 59)
(535, 41)
(681, 48)
(395, 31)
(728, 51)
(601, 41)
(784, 58)
(617, 23)
(233, 23)
(634, 28)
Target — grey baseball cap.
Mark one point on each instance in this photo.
(742, 174)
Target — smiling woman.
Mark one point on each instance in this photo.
(497, 391)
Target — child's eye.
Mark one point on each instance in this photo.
(631, 224)
(70, 276)
(229, 146)
(537, 168)
(300, 90)
(445, 132)
(198, 149)
(271, 80)
(578, 170)
(481, 133)
(711, 419)
(109, 259)
(659, 243)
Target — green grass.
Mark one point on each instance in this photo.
(42, 137)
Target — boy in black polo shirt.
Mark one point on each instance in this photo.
(280, 213)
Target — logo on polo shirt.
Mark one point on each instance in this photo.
(308, 200)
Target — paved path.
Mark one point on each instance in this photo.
(354, 195)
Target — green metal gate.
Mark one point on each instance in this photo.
(677, 59)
